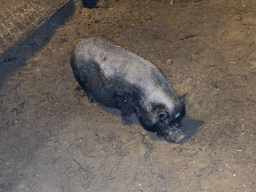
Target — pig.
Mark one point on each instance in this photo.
(117, 78)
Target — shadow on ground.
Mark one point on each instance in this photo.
(90, 3)
(20, 54)
(190, 126)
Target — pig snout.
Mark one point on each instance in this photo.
(174, 134)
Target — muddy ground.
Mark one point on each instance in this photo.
(53, 140)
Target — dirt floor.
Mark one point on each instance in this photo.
(53, 140)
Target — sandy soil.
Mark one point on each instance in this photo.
(53, 140)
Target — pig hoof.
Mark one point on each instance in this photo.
(91, 100)
(127, 120)
(90, 97)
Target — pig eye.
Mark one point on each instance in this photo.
(177, 115)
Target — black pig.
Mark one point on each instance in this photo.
(118, 78)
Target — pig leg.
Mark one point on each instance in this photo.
(126, 119)
(90, 97)
(123, 103)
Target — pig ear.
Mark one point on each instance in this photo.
(184, 99)
(162, 115)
